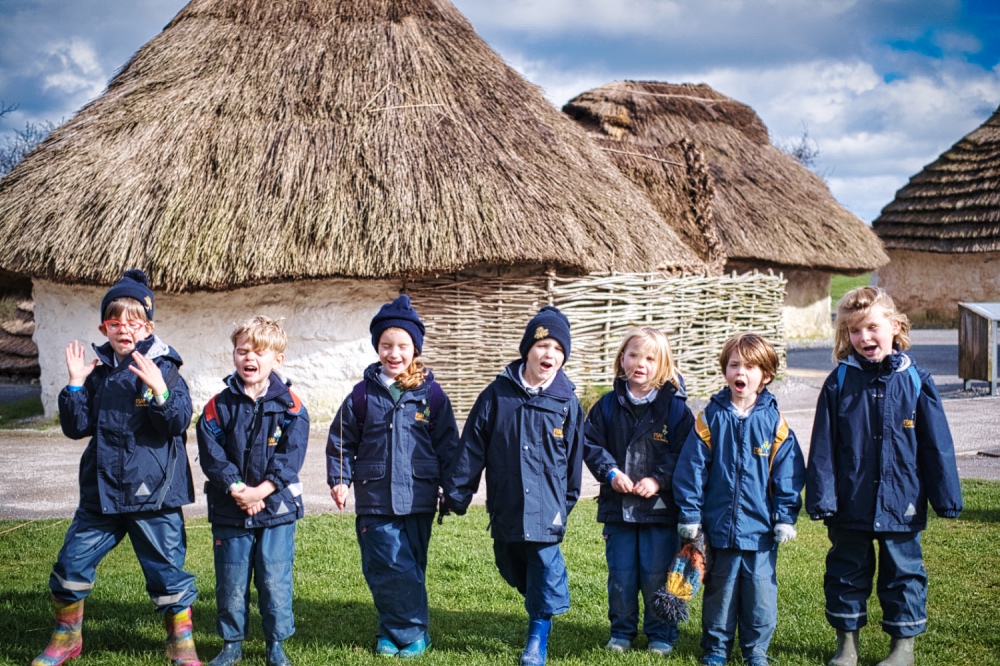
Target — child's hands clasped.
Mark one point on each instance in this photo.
(251, 498)
(76, 364)
(646, 487)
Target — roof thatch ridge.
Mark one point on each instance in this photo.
(953, 204)
(254, 141)
(768, 209)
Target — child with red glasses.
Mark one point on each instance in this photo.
(134, 474)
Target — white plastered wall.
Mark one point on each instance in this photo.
(329, 345)
(806, 312)
(928, 286)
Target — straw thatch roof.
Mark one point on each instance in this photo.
(256, 141)
(768, 210)
(953, 205)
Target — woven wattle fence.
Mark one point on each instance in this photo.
(474, 325)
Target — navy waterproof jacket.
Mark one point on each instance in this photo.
(241, 439)
(135, 460)
(880, 449)
(396, 457)
(639, 447)
(532, 450)
(739, 477)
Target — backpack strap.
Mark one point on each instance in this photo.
(910, 370)
(704, 432)
(608, 407)
(359, 401)
(780, 435)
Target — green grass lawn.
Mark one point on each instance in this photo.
(841, 284)
(475, 617)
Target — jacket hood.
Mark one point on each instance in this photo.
(667, 391)
(372, 373)
(152, 348)
(894, 362)
(764, 398)
(561, 387)
(278, 385)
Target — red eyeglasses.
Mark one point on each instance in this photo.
(114, 325)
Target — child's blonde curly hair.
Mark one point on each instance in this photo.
(858, 304)
(262, 333)
(650, 339)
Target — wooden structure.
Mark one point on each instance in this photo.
(977, 343)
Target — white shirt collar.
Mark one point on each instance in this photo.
(547, 383)
(649, 397)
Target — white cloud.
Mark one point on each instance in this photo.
(73, 68)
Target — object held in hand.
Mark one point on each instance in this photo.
(685, 577)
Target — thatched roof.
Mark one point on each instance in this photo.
(768, 210)
(256, 141)
(953, 205)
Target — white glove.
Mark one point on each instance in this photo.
(689, 532)
(784, 532)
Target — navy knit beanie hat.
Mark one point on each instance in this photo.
(548, 323)
(133, 284)
(398, 314)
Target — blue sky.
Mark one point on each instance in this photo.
(883, 86)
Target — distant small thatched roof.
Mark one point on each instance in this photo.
(768, 209)
(257, 141)
(953, 205)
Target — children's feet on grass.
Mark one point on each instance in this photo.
(660, 648)
(713, 661)
(416, 648)
(230, 655)
(384, 647)
(618, 645)
(276, 655)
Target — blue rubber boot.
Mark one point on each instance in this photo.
(276, 654)
(416, 648)
(232, 652)
(538, 642)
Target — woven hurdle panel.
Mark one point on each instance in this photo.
(474, 325)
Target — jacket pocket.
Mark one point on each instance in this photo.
(427, 471)
(369, 471)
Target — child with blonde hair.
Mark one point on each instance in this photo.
(634, 435)
(252, 440)
(880, 450)
(392, 439)
(739, 478)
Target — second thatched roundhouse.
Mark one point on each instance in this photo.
(706, 163)
(942, 231)
(308, 159)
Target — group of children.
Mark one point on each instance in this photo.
(880, 450)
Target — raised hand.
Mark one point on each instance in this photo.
(77, 365)
(149, 372)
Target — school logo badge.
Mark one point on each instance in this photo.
(541, 332)
(146, 397)
(910, 422)
(558, 432)
(660, 436)
(149, 303)
(273, 439)
(763, 450)
(424, 416)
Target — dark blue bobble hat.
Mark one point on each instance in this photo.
(133, 284)
(398, 314)
(548, 323)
